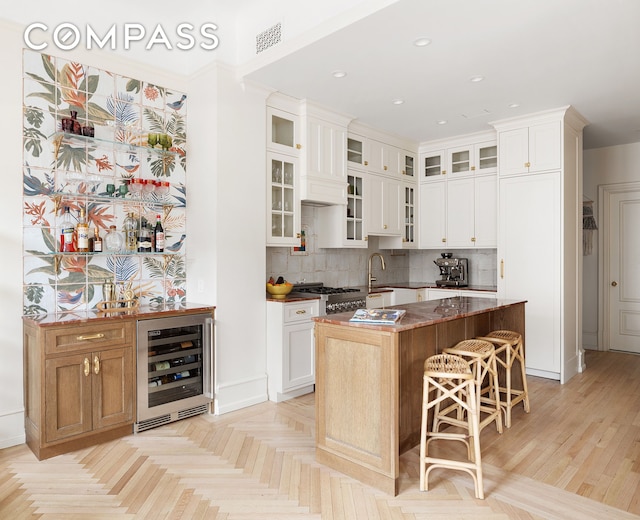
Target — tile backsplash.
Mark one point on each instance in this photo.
(61, 170)
(347, 267)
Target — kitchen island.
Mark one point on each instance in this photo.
(369, 379)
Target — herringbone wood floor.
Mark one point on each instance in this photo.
(575, 456)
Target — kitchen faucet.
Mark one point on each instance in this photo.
(371, 278)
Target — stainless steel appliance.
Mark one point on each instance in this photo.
(174, 369)
(453, 271)
(332, 299)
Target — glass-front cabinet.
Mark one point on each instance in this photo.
(355, 215)
(284, 216)
(409, 238)
(433, 165)
(473, 159)
(283, 131)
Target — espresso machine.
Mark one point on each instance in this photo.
(453, 271)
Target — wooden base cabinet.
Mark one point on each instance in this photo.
(79, 384)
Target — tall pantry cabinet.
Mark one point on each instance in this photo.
(540, 234)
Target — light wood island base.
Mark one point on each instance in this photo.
(369, 380)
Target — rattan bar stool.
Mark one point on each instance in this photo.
(449, 377)
(481, 355)
(509, 344)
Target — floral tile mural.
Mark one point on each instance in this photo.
(109, 175)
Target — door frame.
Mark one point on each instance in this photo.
(605, 191)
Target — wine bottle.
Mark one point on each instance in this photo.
(144, 237)
(162, 365)
(158, 234)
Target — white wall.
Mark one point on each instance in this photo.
(609, 165)
(226, 212)
(11, 401)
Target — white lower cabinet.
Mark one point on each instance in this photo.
(436, 294)
(290, 348)
(402, 295)
(380, 300)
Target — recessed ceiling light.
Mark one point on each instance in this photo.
(514, 105)
(338, 73)
(421, 42)
(476, 79)
(397, 101)
(442, 122)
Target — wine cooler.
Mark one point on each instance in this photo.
(174, 369)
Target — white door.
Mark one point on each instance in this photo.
(624, 271)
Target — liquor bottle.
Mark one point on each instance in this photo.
(82, 232)
(113, 241)
(144, 237)
(130, 228)
(67, 228)
(97, 241)
(177, 362)
(158, 234)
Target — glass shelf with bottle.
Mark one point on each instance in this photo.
(147, 191)
(142, 145)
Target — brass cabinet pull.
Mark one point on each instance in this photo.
(98, 335)
(366, 163)
(501, 268)
(444, 240)
(375, 295)
(444, 172)
(527, 165)
(301, 311)
(614, 283)
(473, 239)
(87, 369)
(298, 146)
(96, 365)
(384, 226)
(473, 168)
(385, 168)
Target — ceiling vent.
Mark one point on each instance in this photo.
(269, 38)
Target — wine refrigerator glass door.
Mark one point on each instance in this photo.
(174, 368)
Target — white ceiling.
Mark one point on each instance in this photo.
(541, 54)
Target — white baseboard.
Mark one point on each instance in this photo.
(12, 429)
(235, 395)
(542, 373)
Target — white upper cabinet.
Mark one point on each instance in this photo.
(536, 148)
(323, 176)
(432, 165)
(384, 200)
(283, 131)
(432, 230)
(357, 152)
(473, 159)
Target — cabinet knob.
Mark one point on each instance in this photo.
(444, 240)
(403, 172)
(473, 239)
(366, 163)
(385, 168)
(614, 284)
(298, 146)
(473, 168)
(384, 226)
(527, 165)
(444, 172)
